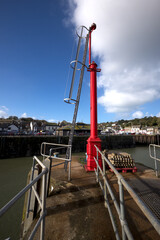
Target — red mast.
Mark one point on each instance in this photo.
(93, 139)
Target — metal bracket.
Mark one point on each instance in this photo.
(77, 62)
(68, 100)
(95, 70)
(82, 31)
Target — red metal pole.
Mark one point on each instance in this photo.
(93, 100)
(90, 47)
(93, 139)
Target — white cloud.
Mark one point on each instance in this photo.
(24, 115)
(4, 108)
(53, 121)
(3, 112)
(158, 114)
(127, 42)
(137, 114)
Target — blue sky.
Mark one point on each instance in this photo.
(36, 42)
(35, 55)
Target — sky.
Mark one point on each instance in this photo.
(38, 41)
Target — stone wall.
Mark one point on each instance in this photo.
(20, 146)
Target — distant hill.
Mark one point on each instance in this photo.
(146, 121)
(143, 122)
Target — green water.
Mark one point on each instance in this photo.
(141, 155)
(13, 177)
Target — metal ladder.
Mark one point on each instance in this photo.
(76, 102)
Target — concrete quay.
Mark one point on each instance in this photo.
(75, 209)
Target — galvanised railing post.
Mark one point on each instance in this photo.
(105, 187)
(155, 161)
(69, 170)
(44, 181)
(30, 191)
(97, 167)
(44, 151)
(122, 208)
(49, 170)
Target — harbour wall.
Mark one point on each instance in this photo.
(146, 139)
(22, 146)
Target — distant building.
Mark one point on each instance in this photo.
(150, 130)
(33, 127)
(4, 127)
(51, 127)
(13, 128)
(63, 131)
(128, 130)
(135, 129)
(108, 131)
(8, 128)
(80, 129)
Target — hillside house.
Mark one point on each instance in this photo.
(136, 129)
(153, 130)
(63, 131)
(80, 129)
(127, 130)
(8, 128)
(51, 128)
(13, 128)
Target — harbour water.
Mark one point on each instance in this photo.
(13, 177)
(141, 155)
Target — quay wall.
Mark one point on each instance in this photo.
(21, 146)
(146, 139)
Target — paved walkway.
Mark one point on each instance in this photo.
(75, 210)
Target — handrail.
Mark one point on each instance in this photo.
(49, 155)
(120, 210)
(154, 157)
(41, 220)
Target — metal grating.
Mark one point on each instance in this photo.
(149, 191)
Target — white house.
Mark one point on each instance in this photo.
(51, 127)
(136, 129)
(33, 126)
(12, 128)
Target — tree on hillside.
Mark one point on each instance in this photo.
(13, 117)
(158, 122)
(64, 123)
(29, 119)
(154, 121)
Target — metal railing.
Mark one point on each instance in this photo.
(48, 149)
(42, 202)
(154, 156)
(120, 207)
